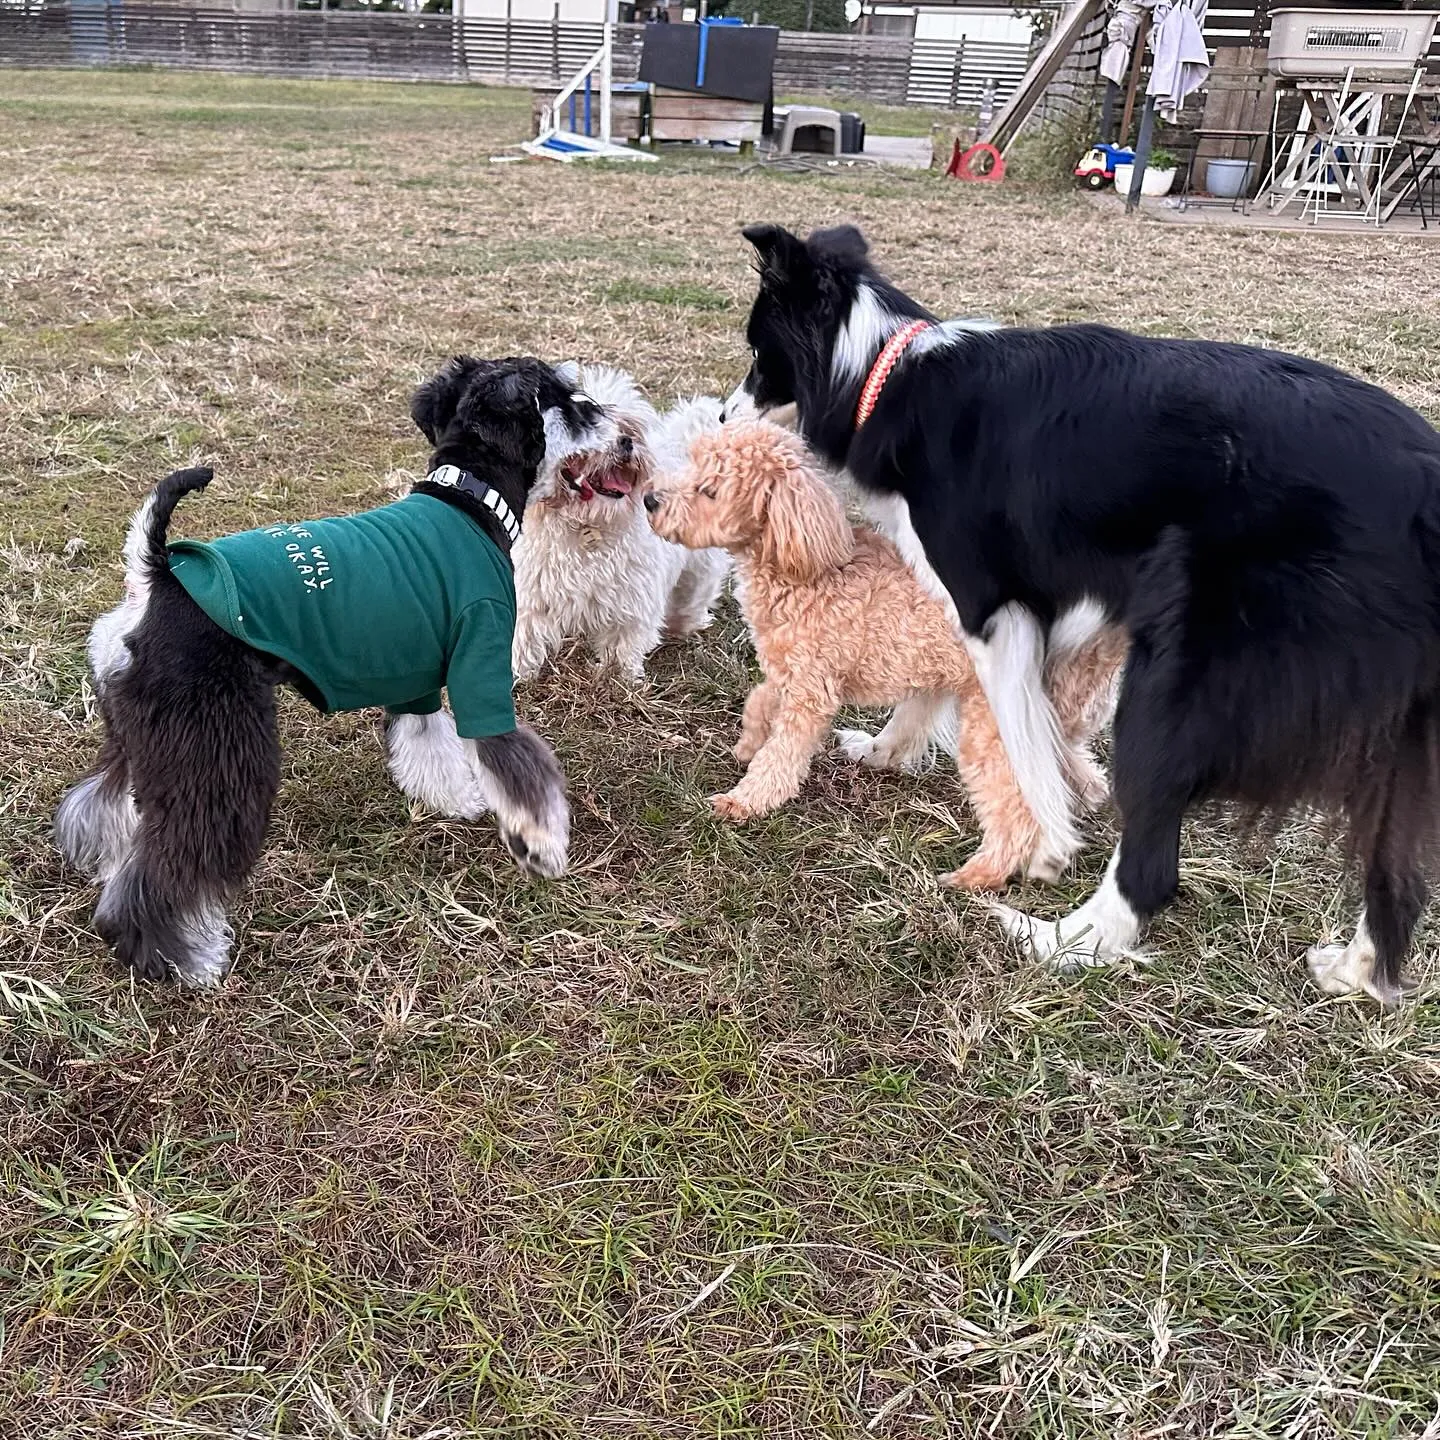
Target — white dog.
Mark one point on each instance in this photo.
(588, 565)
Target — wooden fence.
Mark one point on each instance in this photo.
(441, 48)
(875, 66)
(305, 42)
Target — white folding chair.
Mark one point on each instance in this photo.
(1355, 153)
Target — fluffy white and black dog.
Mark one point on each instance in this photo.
(383, 608)
(1264, 529)
(590, 567)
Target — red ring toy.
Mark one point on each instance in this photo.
(962, 166)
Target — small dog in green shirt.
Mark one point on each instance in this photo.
(384, 608)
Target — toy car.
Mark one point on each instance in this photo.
(1096, 169)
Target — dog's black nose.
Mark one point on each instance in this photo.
(626, 447)
(652, 502)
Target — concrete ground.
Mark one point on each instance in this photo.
(1259, 216)
(911, 151)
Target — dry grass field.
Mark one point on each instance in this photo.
(728, 1133)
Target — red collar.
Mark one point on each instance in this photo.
(885, 362)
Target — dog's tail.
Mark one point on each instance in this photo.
(144, 551)
(145, 544)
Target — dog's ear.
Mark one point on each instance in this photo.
(778, 253)
(433, 405)
(841, 245)
(805, 531)
(517, 389)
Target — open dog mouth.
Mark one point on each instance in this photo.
(588, 478)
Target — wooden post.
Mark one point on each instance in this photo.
(1137, 60)
(607, 72)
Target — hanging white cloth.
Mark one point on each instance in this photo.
(1119, 39)
(1181, 62)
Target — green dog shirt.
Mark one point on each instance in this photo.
(380, 608)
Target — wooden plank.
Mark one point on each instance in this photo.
(1239, 95)
(686, 104)
(737, 132)
(685, 115)
(1068, 29)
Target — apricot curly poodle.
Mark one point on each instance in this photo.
(839, 619)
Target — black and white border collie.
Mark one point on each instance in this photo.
(172, 819)
(1265, 529)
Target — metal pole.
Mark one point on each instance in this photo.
(1107, 112)
(606, 69)
(1142, 153)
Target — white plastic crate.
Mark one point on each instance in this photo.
(1379, 44)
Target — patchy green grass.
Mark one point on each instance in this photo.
(730, 1132)
(682, 297)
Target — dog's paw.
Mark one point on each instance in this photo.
(858, 746)
(626, 679)
(1046, 866)
(684, 627)
(1092, 788)
(1348, 970)
(980, 872)
(540, 843)
(538, 853)
(879, 752)
(465, 799)
(632, 684)
(732, 807)
(193, 947)
(1051, 857)
(127, 938)
(527, 660)
(1040, 938)
(1076, 946)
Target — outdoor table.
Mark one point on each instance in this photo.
(1305, 158)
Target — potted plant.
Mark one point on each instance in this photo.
(1159, 174)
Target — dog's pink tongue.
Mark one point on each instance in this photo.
(616, 482)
